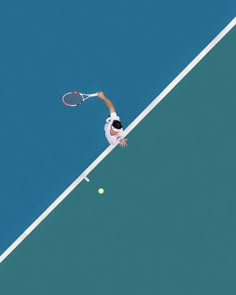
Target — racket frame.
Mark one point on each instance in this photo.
(83, 95)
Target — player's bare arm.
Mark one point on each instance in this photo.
(114, 130)
(109, 104)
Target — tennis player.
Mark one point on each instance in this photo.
(113, 127)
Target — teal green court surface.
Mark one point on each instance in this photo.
(166, 222)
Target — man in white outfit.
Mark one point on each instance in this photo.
(113, 127)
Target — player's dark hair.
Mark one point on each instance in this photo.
(117, 124)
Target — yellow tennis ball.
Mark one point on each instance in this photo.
(101, 191)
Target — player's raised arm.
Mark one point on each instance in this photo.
(109, 104)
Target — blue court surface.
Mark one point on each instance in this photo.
(166, 221)
(130, 50)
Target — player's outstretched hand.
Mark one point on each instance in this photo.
(123, 142)
(100, 94)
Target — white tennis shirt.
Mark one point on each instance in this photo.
(113, 139)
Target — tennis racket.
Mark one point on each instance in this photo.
(75, 98)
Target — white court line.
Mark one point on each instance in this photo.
(127, 131)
